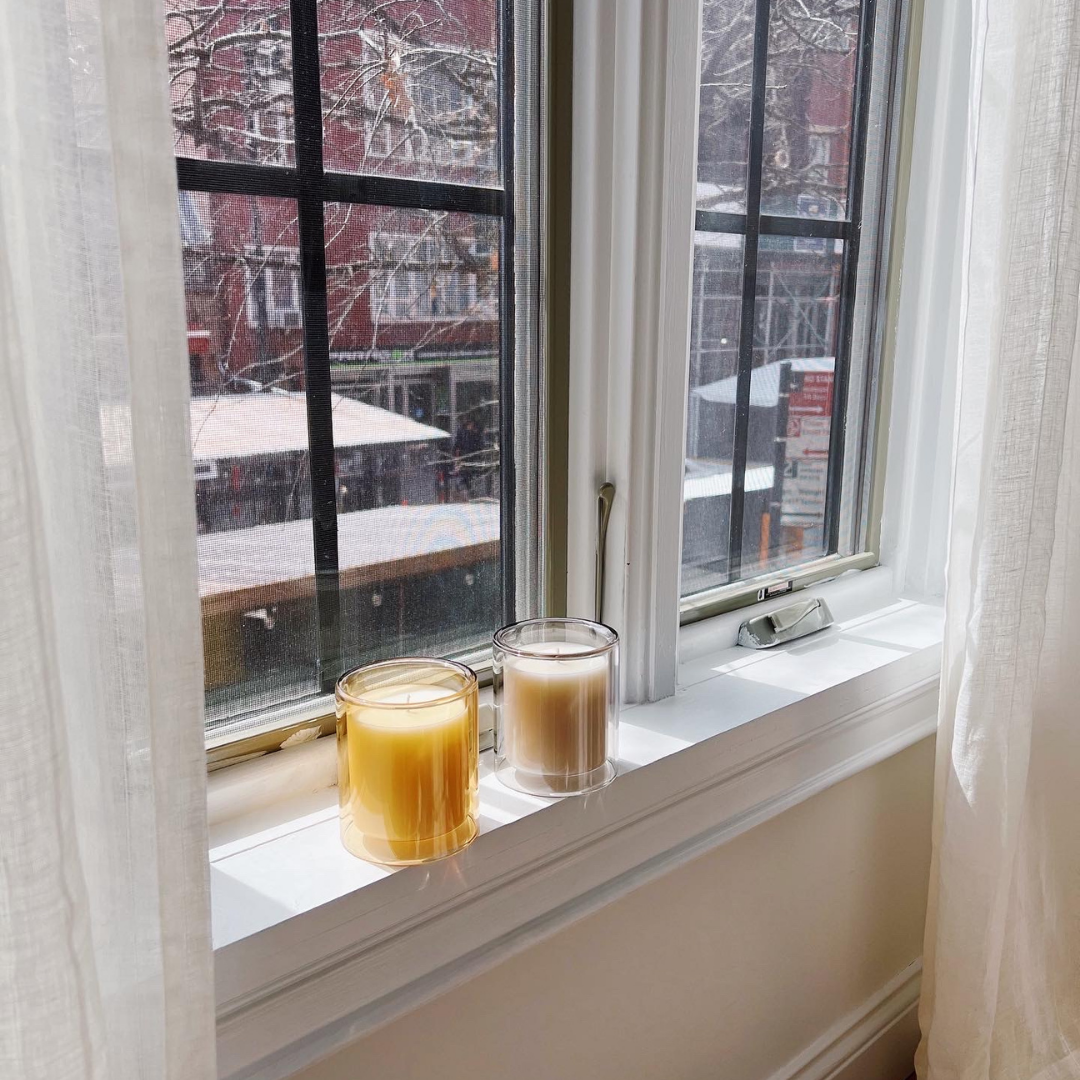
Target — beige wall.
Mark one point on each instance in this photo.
(727, 967)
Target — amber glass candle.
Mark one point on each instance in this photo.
(407, 760)
(556, 685)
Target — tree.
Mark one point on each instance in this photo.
(808, 100)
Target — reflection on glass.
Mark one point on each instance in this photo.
(250, 448)
(808, 107)
(410, 88)
(230, 78)
(710, 430)
(727, 60)
(414, 331)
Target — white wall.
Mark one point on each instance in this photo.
(727, 967)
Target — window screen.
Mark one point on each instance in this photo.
(793, 159)
(358, 208)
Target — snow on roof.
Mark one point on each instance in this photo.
(264, 557)
(764, 382)
(242, 425)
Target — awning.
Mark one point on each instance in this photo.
(243, 425)
(227, 426)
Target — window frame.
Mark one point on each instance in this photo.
(740, 591)
(311, 187)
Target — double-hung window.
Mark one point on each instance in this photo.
(790, 260)
(359, 186)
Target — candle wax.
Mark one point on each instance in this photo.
(556, 711)
(411, 773)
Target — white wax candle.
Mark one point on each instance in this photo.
(555, 710)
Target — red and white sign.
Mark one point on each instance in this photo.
(806, 453)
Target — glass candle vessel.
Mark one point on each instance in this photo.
(407, 743)
(556, 684)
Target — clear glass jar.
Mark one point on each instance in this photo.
(556, 691)
(407, 743)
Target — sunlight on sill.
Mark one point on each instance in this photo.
(286, 858)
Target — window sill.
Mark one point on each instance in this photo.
(314, 948)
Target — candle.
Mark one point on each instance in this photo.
(559, 709)
(555, 703)
(407, 763)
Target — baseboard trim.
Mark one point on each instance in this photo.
(876, 1041)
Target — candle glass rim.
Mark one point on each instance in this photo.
(471, 682)
(498, 638)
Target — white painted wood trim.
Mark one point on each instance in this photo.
(305, 987)
(635, 145)
(915, 521)
(876, 1040)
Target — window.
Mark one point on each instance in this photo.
(435, 278)
(273, 290)
(788, 272)
(359, 215)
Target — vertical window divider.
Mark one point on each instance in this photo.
(507, 321)
(307, 121)
(749, 290)
(849, 275)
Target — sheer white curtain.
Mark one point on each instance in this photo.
(105, 959)
(1001, 995)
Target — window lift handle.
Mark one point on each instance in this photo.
(604, 499)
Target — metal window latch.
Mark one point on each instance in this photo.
(604, 499)
(785, 624)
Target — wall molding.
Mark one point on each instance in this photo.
(306, 987)
(877, 1039)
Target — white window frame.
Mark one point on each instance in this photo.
(270, 126)
(278, 261)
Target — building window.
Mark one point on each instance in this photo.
(418, 276)
(273, 291)
(791, 185)
(356, 251)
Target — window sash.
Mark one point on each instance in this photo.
(312, 187)
(751, 226)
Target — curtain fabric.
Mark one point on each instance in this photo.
(1001, 989)
(105, 957)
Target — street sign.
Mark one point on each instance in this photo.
(806, 448)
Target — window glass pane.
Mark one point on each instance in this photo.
(791, 400)
(230, 76)
(768, 510)
(369, 384)
(808, 107)
(710, 430)
(249, 442)
(414, 332)
(795, 330)
(410, 88)
(727, 58)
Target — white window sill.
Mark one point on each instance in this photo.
(313, 948)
